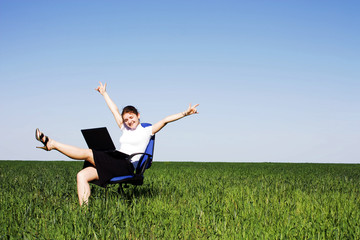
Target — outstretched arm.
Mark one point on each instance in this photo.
(113, 108)
(159, 125)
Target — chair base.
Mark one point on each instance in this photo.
(136, 180)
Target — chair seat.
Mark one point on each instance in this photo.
(129, 179)
(121, 178)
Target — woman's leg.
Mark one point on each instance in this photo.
(68, 150)
(83, 178)
(72, 151)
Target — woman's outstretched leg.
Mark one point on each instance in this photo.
(83, 178)
(68, 150)
(72, 151)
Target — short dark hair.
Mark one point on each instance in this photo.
(129, 109)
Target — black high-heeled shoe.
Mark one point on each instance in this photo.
(40, 137)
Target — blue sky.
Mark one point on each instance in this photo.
(277, 81)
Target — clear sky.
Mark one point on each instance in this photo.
(277, 81)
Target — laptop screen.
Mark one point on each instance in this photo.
(98, 139)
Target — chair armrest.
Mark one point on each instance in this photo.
(143, 165)
(134, 154)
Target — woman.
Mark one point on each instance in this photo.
(102, 166)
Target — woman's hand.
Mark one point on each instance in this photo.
(101, 89)
(191, 110)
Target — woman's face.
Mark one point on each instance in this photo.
(131, 120)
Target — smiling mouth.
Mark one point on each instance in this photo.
(130, 125)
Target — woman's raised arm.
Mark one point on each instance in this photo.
(113, 108)
(159, 125)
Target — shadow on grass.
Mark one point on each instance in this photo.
(129, 194)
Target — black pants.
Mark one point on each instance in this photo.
(109, 165)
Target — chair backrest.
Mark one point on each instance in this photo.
(145, 161)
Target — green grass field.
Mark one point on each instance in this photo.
(38, 200)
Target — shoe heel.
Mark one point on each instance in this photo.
(44, 148)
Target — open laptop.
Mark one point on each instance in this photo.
(98, 139)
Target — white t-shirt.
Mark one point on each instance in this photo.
(135, 141)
